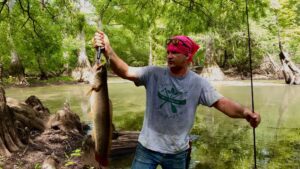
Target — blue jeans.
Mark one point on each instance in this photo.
(148, 159)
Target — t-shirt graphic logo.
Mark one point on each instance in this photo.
(169, 96)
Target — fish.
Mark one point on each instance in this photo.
(101, 112)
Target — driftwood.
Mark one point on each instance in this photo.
(290, 71)
(125, 143)
(270, 68)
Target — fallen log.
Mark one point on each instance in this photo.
(125, 143)
(290, 71)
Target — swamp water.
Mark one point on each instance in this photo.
(221, 142)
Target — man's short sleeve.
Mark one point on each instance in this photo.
(143, 74)
(208, 95)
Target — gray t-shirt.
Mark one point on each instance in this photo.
(170, 107)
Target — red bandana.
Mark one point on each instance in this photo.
(184, 45)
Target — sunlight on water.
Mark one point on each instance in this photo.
(222, 142)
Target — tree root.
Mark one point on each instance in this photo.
(15, 119)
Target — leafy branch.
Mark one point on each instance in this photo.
(2, 6)
(30, 17)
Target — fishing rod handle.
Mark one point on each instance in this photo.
(99, 51)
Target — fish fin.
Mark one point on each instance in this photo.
(103, 161)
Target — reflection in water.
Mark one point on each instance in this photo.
(223, 142)
(287, 99)
(290, 98)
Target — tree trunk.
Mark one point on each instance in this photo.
(211, 69)
(17, 119)
(224, 64)
(17, 69)
(270, 68)
(16, 66)
(43, 74)
(290, 71)
(9, 140)
(83, 60)
(82, 71)
(67, 71)
(1, 73)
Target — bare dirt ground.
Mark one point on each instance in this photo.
(56, 147)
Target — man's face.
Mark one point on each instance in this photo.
(176, 60)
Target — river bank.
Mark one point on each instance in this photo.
(228, 80)
(275, 100)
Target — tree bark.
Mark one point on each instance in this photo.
(224, 64)
(17, 69)
(17, 119)
(9, 141)
(43, 74)
(1, 73)
(211, 69)
(16, 66)
(82, 71)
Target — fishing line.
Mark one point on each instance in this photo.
(251, 77)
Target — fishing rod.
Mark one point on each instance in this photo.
(251, 77)
(99, 51)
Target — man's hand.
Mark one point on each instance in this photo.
(252, 117)
(101, 40)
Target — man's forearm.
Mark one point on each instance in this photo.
(120, 67)
(235, 110)
(117, 64)
(230, 108)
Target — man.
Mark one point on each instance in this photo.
(173, 94)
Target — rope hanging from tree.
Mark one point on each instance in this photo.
(251, 77)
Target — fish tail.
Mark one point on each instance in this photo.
(103, 161)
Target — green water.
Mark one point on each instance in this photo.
(222, 143)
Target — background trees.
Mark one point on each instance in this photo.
(51, 36)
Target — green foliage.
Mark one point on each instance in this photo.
(60, 79)
(9, 80)
(219, 149)
(284, 148)
(131, 121)
(75, 153)
(46, 38)
(284, 19)
(37, 166)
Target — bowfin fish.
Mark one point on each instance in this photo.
(101, 112)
